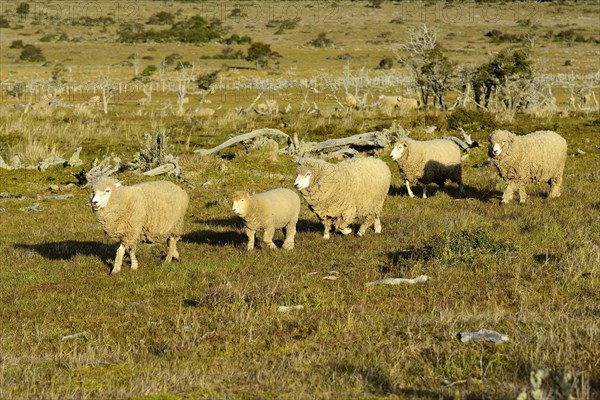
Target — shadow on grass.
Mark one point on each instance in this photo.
(470, 192)
(68, 249)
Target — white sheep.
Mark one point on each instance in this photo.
(274, 209)
(537, 157)
(388, 103)
(351, 102)
(205, 112)
(93, 101)
(149, 212)
(270, 106)
(341, 193)
(428, 161)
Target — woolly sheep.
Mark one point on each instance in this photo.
(149, 212)
(350, 101)
(268, 106)
(403, 103)
(274, 209)
(341, 193)
(537, 157)
(428, 161)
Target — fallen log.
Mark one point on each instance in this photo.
(244, 137)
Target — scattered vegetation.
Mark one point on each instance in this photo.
(195, 29)
(260, 54)
(321, 41)
(32, 53)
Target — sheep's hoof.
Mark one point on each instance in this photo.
(346, 231)
(114, 271)
(271, 246)
(288, 246)
(326, 236)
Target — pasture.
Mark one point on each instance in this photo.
(209, 326)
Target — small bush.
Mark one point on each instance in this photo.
(473, 119)
(161, 18)
(32, 53)
(47, 38)
(17, 44)
(386, 63)
(4, 22)
(321, 41)
(237, 39)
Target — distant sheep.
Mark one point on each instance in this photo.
(350, 101)
(270, 106)
(274, 209)
(143, 101)
(537, 157)
(388, 103)
(428, 161)
(205, 112)
(92, 101)
(149, 212)
(341, 193)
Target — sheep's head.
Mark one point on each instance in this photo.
(304, 173)
(399, 149)
(241, 203)
(102, 190)
(499, 142)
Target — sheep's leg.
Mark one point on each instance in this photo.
(424, 191)
(118, 260)
(134, 261)
(172, 253)
(410, 192)
(268, 237)
(507, 196)
(250, 233)
(522, 194)
(290, 234)
(327, 225)
(377, 224)
(555, 184)
(366, 225)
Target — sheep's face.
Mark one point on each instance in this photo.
(100, 197)
(398, 150)
(498, 143)
(241, 202)
(303, 175)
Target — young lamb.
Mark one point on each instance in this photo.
(537, 157)
(274, 209)
(341, 193)
(428, 161)
(148, 212)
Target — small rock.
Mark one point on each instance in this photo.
(290, 308)
(54, 188)
(483, 335)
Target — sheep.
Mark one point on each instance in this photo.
(205, 112)
(341, 193)
(537, 157)
(273, 209)
(92, 101)
(149, 212)
(428, 161)
(403, 103)
(270, 106)
(143, 101)
(351, 102)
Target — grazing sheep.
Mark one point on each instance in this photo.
(205, 112)
(270, 106)
(350, 101)
(274, 209)
(537, 157)
(388, 103)
(143, 101)
(341, 193)
(149, 212)
(93, 101)
(428, 161)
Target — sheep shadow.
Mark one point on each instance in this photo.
(400, 261)
(218, 236)
(451, 189)
(68, 249)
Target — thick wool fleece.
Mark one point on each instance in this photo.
(344, 192)
(430, 161)
(537, 157)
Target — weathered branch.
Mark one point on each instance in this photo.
(247, 136)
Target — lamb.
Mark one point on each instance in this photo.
(350, 101)
(149, 212)
(403, 103)
(428, 161)
(341, 193)
(537, 157)
(274, 209)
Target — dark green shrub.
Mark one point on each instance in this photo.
(47, 38)
(261, 54)
(17, 44)
(321, 41)
(161, 18)
(32, 53)
(471, 119)
(23, 9)
(386, 63)
(4, 22)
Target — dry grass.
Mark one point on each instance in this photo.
(208, 327)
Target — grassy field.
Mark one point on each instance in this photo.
(208, 327)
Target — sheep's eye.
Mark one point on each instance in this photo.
(308, 174)
(107, 191)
